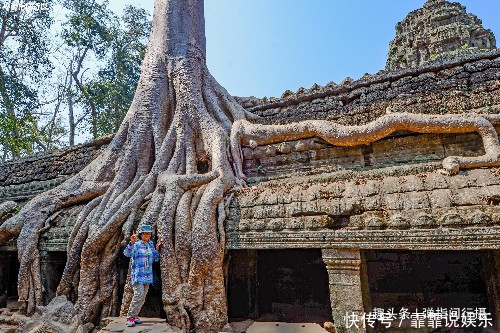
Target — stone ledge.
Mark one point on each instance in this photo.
(429, 239)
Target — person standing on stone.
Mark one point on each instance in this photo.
(143, 253)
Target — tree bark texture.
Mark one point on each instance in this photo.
(180, 116)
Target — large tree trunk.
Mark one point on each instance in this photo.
(180, 116)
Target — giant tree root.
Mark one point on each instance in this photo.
(252, 135)
(176, 122)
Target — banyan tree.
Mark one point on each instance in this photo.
(181, 118)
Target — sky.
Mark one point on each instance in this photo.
(264, 47)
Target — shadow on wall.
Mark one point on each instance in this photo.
(426, 279)
(278, 285)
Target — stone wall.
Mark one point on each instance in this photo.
(298, 169)
(22, 179)
(464, 84)
(388, 194)
(308, 194)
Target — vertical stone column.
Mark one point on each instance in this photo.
(343, 266)
(491, 268)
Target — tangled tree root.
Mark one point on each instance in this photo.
(7, 207)
(179, 120)
(187, 208)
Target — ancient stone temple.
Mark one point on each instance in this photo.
(440, 29)
(321, 230)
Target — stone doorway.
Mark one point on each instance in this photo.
(9, 268)
(52, 266)
(425, 279)
(278, 285)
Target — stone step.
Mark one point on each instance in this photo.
(150, 325)
(159, 325)
(4, 328)
(278, 327)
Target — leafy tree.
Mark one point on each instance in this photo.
(113, 89)
(86, 36)
(24, 65)
(179, 119)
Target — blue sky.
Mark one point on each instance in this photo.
(264, 47)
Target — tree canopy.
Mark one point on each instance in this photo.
(69, 79)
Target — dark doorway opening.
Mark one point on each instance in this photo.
(52, 267)
(278, 285)
(9, 268)
(426, 279)
(13, 271)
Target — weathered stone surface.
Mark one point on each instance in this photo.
(7, 328)
(389, 192)
(440, 87)
(309, 194)
(24, 178)
(343, 266)
(9, 321)
(58, 316)
(150, 325)
(392, 207)
(440, 29)
(276, 327)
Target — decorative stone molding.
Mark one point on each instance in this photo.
(479, 238)
(21, 192)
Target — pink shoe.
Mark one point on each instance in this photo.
(137, 320)
(130, 322)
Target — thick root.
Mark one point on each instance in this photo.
(252, 135)
(6, 208)
(174, 151)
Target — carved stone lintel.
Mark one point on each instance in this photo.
(343, 266)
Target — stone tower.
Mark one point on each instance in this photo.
(440, 29)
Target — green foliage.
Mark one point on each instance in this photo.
(87, 24)
(91, 66)
(113, 88)
(119, 44)
(24, 65)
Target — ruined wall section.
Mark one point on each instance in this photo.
(399, 207)
(440, 29)
(464, 85)
(388, 194)
(22, 179)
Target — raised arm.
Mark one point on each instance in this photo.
(130, 249)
